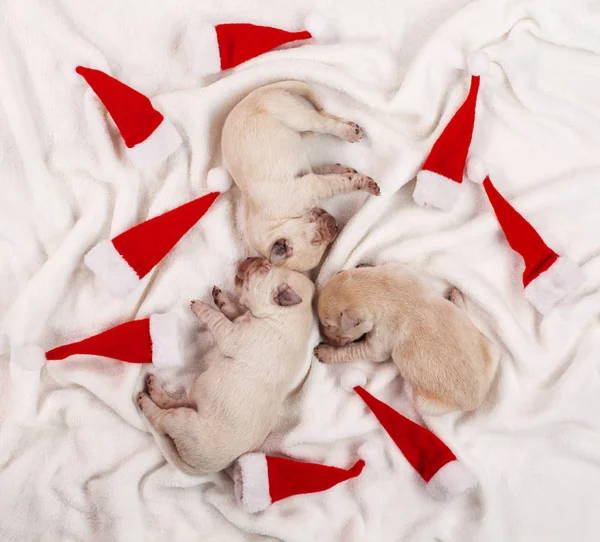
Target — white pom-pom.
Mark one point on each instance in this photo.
(30, 356)
(218, 180)
(352, 378)
(319, 26)
(372, 454)
(478, 63)
(476, 171)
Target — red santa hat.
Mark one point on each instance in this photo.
(150, 340)
(439, 181)
(261, 480)
(123, 261)
(445, 476)
(149, 137)
(224, 46)
(548, 277)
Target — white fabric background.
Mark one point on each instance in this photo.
(76, 460)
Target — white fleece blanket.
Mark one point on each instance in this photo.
(77, 462)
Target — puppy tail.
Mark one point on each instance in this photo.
(299, 88)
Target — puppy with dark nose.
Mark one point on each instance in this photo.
(234, 405)
(262, 147)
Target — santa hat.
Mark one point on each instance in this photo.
(548, 277)
(445, 476)
(224, 46)
(150, 340)
(261, 480)
(149, 137)
(122, 262)
(440, 178)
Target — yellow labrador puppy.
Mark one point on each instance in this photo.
(235, 403)
(447, 361)
(264, 154)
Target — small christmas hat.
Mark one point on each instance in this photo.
(122, 262)
(439, 468)
(440, 180)
(261, 480)
(150, 340)
(548, 277)
(149, 137)
(224, 46)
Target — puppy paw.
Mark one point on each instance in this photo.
(456, 297)
(217, 295)
(141, 397)
(324, 352)
(150, 382)
(197, 307)
(352, 132)
(364, 183)
(369, 185)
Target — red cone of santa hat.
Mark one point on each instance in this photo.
(150, 340)
(439, 182)
(149, 137)
(260, 480)
(122, 262)
(439, 468)
(224, 46)
(548, 278)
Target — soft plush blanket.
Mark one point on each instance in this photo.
(77, 462)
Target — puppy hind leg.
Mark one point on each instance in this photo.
(320, 187)
(163, 420)
(300, 115)
(161, 398)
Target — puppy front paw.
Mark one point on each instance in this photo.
(217, 295)
(141, 397)
(369, 185)
(324, 352)
(197, 307)
(353, 132)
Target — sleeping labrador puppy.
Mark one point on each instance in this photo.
(235, 403)
(264, 154)
(447, 361)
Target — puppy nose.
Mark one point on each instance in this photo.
(331, 226)
(327, 227)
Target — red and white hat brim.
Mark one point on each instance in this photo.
(166, 341)
(204, 51)
(557, 282)
(433, 189)
(450, 481)
(251, 482)
(112, 269)
(156, 148)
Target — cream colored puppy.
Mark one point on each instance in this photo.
(235, 403)
(264, 154)
(447, 361)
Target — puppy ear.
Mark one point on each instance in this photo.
(281, 250)
(285, 296)
(350, 319)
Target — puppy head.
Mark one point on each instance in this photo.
(295, 243)
(267, 289)
(343, 318)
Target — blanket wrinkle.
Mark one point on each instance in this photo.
(78, 462)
